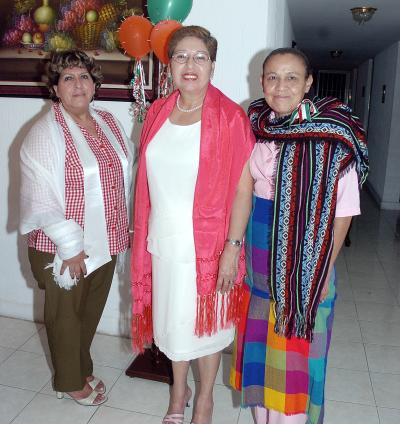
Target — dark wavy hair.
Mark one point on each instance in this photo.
(70, 59)
(194, 31)
(295, 52)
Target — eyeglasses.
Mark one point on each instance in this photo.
(200, 58)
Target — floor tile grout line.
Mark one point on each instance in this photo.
(347, 261)
(5, 359)
(363, 341)
(94, 413)
(391, 288)
(24, 388)
(370, 379)
(35, 353)
(20, 412)
(115, 382)
(384, 270)
(144, 413)
(387, 373)
(351, 403)
(373, 391)
(127, 410)
(380, 344)
(19, 388)
(27, 340)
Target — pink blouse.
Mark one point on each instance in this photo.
(262, 167)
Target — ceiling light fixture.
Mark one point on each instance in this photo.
(335, 54)
(363, 14)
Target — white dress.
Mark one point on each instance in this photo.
(172, 161)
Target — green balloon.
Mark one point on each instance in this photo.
(160, 10)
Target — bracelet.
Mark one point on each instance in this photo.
(233, 242)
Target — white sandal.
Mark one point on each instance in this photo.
(94, 383)
(178, 418)
(173, 419)
(87, 401)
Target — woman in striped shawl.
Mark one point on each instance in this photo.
(308, 164)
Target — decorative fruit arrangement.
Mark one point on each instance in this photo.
(109, 40)
(76, 13)
(91, 16)
(44, 14)
(132, 12)
(60, 41)
(38, 38)
(86, 23)
(25, 24)
(11, 38)
(22, 24)
(44, 27)
(29, 28)
(108, 13)
(24, 6)
(26, 38)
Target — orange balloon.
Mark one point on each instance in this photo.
(134, 36)
(159, 38)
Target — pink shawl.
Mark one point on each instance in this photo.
(225, 146)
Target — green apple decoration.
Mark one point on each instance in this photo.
(38, 38)
(44, 14)
(92, 16)
(26, 38)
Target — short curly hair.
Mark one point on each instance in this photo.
(69, 59)
(197, 32)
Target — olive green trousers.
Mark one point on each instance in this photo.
(71, 318)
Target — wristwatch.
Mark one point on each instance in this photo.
(233, 242)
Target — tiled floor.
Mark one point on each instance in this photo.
(363, 383)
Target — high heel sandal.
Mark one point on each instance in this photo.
(173, 419)
(94, 383)
(87, 401)
(177, 418)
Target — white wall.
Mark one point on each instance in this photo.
(384, 129)
(245, 32)
(19, 296)
(363, 91)
(391, 194)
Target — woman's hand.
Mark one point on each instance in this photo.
(325, 289)
(341, 226)
(76, 265)
(228, 268)
(229, 260)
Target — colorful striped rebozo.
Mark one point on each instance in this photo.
(319, 142)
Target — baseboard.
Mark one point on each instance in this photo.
(372, 192)
(20, 310)
(393, 206)
(111, 323)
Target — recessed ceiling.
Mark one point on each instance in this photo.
(321, 26)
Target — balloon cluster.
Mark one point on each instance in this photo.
(138, 36)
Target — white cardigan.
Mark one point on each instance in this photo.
(43, 190)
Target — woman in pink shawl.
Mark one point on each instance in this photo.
(187, 256)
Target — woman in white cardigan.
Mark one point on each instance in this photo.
(76, 166)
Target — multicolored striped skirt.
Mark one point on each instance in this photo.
(285, 375)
